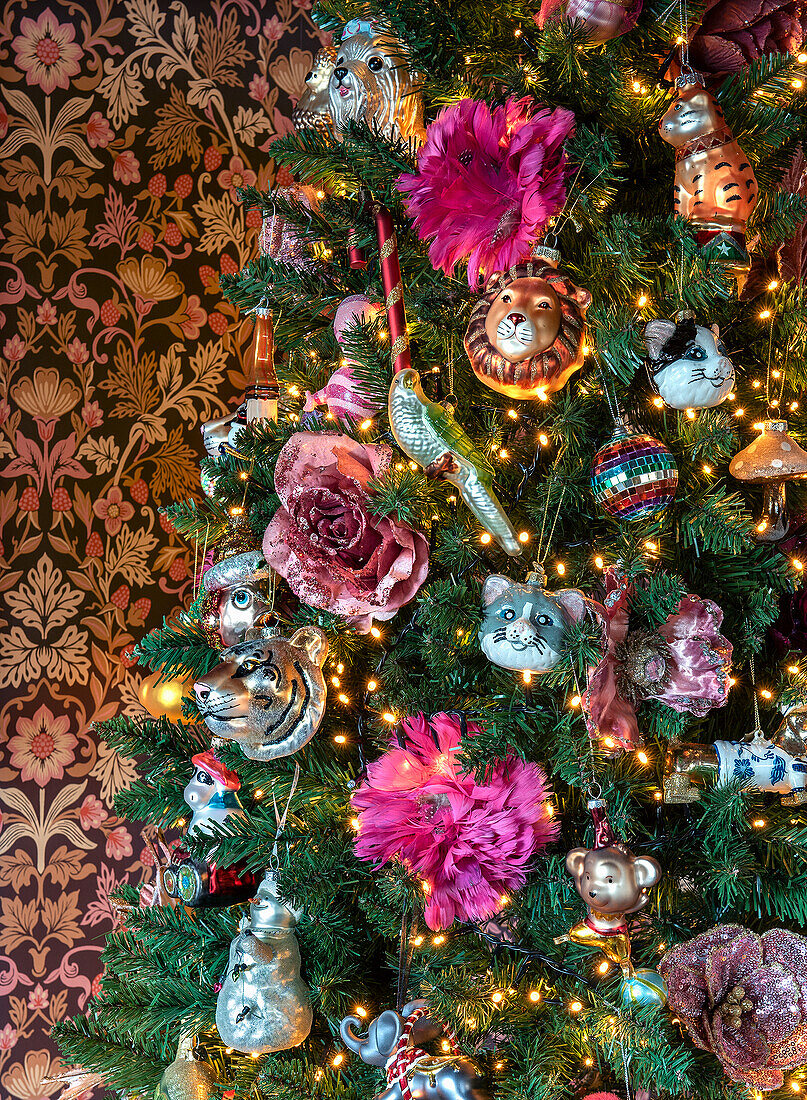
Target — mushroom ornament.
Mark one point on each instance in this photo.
(773, 459)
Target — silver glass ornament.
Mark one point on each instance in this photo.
(268, 694)
(263, 1004)
(429, 1077)
(185, 1078)
(428, 434)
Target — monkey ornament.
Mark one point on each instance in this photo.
(613, 882)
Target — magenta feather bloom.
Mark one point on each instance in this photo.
(470, 842)
(488, 182)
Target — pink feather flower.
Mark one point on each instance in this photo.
(488, 182)
(470, 842)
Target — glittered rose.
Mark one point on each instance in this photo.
(734, 32)
(334, 553)
(744, 998)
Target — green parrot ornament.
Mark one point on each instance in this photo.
(430, 436)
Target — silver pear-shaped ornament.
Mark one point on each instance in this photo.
(263, 1004)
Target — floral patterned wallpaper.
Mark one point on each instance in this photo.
(125, 128)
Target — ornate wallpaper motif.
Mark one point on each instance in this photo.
(125, 129)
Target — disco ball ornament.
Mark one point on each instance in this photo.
(633, 476)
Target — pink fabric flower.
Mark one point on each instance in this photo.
(126, 167)
(113, 510)
(99, 132)
(334, 554)
(92, 813)
(236, 176)
(488, 182)
(8, 1037)
(42, 746)
(743, 997)
(470, 842)
(119, 843)
(684, 664)
(46, 52)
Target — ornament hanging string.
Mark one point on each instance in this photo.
(280, 819)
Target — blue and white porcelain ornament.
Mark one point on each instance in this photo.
(688, 364)
(777, 765)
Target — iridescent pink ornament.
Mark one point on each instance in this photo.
(470, 842)
(743, 997)
(344, 393)
(602, 19)
(279, 239)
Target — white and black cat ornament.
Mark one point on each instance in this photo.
(688, 364)
(524, 626)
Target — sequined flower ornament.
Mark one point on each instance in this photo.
(325, 540)
(743, 997)
(469, 841)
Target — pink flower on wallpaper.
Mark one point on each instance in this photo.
(46, 312)
(8, 1037)
(119, 843)
(194, 316)
(92, 414)
(99, 132)
(274, 29)
(38, 997)
(126, 167)
(259, 87)
(92, 813)
(46, 52)
(77, 351)
(14, 349)
(237, 175)
(43, 746)
(113, 510)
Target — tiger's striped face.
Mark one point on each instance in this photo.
(268, 694)
(694, 113)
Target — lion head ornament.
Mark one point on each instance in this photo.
(525, 335)
(372, 82)
(268, 694)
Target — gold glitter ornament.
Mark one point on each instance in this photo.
(185, 1078)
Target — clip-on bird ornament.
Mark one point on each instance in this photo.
(429, 435)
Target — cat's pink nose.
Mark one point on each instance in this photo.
(516, 318)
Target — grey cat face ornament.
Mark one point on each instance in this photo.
(524, 626)
(688, 364)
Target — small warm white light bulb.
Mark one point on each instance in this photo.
(535, 996)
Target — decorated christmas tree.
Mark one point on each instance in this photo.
(477, 765)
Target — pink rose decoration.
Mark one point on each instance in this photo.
(470, 841)
(744, 998)
(734, 32)
(332, 552)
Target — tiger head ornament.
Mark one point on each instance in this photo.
(372, 82)
(268, 693)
